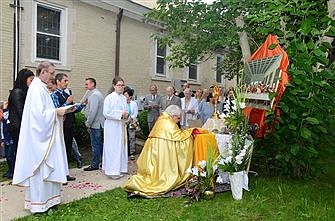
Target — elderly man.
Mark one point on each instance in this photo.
(152, 104)
(41, 164)
(166, 155)
(169, 99)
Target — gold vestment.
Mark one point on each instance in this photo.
(162, 165)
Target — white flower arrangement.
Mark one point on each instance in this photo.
(238, 148)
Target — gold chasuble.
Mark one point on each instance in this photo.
(162, 165)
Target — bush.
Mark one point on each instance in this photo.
(80, 131)
(142, 120)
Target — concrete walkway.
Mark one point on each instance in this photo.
(86, 184)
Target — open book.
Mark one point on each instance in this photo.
(69, 108)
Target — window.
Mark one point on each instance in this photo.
(160, 59)
(49, 32)
(193, 72)
(218, 69)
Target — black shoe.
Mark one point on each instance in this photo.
(79, 163)
(70, 178)
(5, 175)
(8, 175)
(90, 168)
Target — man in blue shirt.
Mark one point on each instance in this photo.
(61, 99)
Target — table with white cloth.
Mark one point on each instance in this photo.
(214, 124)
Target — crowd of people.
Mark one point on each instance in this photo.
(39, 123)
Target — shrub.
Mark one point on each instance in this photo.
(142, 120)
(80, 130)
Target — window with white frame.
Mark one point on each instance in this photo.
(160, 59)
(193, 72)
(218, 69)
(49, 32)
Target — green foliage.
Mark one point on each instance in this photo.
(307, 107)
(80, 130)
(201, 30)
(142, 120)
(305, 125)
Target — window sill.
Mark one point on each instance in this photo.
(160, 78)
(59, 66)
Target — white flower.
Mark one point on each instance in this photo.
(219, 179)
(238, 159)
(242, 105)
(228, 159)
(222, 116)
(195, 171)
(203, 174)
(221, 161)
(202, 164)
(242, 153)
(215, 167)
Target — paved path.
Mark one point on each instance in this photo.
(86, 184)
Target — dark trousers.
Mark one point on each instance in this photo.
(68, 138)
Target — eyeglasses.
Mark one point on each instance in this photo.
(120, 85)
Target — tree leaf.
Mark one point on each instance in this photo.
(305, 133)
(272, 46)
(312, 120)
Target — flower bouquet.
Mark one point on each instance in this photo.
(202, 183)
(235, 157)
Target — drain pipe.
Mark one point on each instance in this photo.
(117, 42)
(16, 37)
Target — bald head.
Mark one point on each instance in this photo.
(169, 91)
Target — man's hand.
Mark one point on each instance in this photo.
(69, 100)
(124, 115)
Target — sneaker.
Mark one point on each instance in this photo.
(132, 157)
(90, 168)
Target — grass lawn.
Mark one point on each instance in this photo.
(269, 199)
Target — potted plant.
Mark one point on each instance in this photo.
(238, 150)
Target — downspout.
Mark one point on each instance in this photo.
(16, 37)
(117, 42)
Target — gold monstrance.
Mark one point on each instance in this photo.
(216, 95)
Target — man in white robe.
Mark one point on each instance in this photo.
(41, 163)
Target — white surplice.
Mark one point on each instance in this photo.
(115, 151)
(41, 163)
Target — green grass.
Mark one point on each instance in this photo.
(269, 199)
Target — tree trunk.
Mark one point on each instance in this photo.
(244, 43)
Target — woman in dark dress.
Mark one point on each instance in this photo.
(16, 100)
